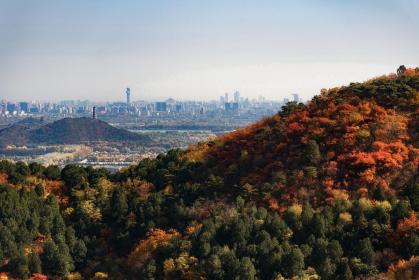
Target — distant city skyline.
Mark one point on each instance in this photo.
(198, 50)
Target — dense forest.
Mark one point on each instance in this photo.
(323, 190)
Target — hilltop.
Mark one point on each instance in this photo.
(323, 190)
(66, 131)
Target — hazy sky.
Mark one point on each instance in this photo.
(81, 49)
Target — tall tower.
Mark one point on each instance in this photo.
(237, 96)
(128, 93)
(94, 112)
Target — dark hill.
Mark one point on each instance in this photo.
(18, 133)
(32, 122)
(67, 131)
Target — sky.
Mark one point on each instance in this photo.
(54, 50)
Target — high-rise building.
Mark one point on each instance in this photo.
(296, 97)
(128, 93)
(161, 106)
(24, 106)
(237, 96)
(94, 112)
(226, 97)
(231, 106)
(11, 107)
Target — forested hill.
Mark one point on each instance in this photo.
(67, 131)
(348, 141)
(323, 190)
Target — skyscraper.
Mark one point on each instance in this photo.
(128, 93)
(237, 96)
(161, 106)
(296, 97)
(24, 106)
(226, 97)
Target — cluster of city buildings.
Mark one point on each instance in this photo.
(226, 105)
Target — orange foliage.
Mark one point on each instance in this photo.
(404, 269)
(273, 204)
(363, 142)
(3, 178)
(145, 248)
(193, 228)
(408, 226)
(296, 127)
(38, 276)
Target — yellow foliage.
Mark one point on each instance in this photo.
(340, 194)
(75, 276)
(365, 203)
(32, 180)
(184, 261)
(384, 205)
(296, 209)
(156, 238)
(89, 208)
(100, 276)
(105, 184)
(169, 266)
(69, 211)
(345, 217)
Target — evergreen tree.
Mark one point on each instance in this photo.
(326, 269)
(344, 271)
(119, 204)
(401, 70)
(401, 211)
(52, 172)
(247, 269)
(8, 247)
(39, 190)
(293, 263)
(313, 152)
(19, 266)
(366, 251)
(79, 253)
(412, 192)
(34, 263)
(48, 257)
(56, 259)
(150, 271)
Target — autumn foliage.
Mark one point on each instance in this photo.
(365, 135)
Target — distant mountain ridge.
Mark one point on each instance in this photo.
(66, 131)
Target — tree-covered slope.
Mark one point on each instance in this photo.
(325, 190)
(348, 141)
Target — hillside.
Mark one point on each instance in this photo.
(346, 141)
(323, 190)
(66, 131)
